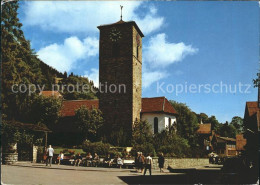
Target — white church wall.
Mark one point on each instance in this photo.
(163, 120)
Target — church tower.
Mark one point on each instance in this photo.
(120, 78)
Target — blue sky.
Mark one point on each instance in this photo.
(185, 44)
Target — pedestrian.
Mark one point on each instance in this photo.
(161, 162)
(141, 162)
(60, 157)
(119, 161)
(50, 152)
(148, 164)
(137, 165)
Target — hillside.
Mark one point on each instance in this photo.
(20, 66)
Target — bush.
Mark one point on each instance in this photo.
(171, 144)
(146, 148)
(97, 147)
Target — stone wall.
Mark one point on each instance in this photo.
(182, 162)
(10, 158)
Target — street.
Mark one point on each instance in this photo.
(31, 173)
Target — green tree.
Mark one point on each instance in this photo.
(142, 133)
(20, 64)
(44, 110)
(187, 123)
(237, 122)
(227, 130)
(203, 117)
(171, 144)
(142, 137)
(96, 147)
(78, 88)
(90, 122)
(214, 123)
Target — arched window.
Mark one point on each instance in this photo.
(115, 50)
(155, 125)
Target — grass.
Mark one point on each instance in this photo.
(57, 150)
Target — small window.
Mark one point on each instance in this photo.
(115, 50)
(137, 52)
(170, 123)
(155, 125)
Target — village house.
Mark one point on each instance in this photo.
(223, 146)
(252, 128)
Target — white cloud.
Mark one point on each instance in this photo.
(63, 56)
(93, 75)
(80, 16)
(160, 53)
(149, 77)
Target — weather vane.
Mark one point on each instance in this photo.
(121, 11)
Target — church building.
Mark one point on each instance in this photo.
(120, 63)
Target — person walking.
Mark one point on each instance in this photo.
(141, 162)
(119, 161)
(50, 152)
(161, 162)
(137, 165)
(148, 164)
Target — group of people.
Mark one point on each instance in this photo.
(145, 163)
(142, 163)
(109, 161)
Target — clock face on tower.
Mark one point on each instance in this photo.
(115, 35)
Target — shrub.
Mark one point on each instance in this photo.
(146, 148)
(71, 152)
(98, 147)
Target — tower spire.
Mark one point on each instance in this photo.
(121, 12)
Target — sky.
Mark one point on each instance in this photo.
(203, 54)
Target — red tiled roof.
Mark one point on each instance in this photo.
(204, 128)
(51, 93)
(157, 104)
(252, 107)
(69, 107)
(221, 139)
(254, 110)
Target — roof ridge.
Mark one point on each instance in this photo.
(80, 100)
(154, 97)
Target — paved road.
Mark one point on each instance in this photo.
(38, 174)
(28, 173)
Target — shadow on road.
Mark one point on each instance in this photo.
(189, 176)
